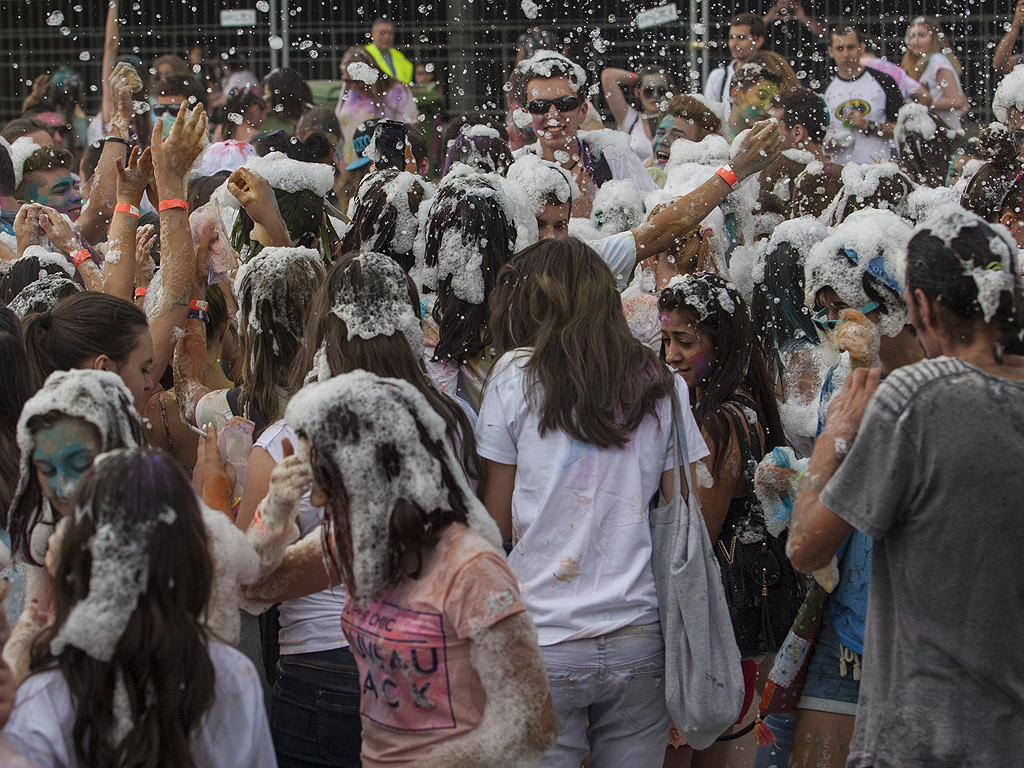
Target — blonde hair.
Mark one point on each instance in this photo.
(915, 65)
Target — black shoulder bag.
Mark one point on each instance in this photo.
(762, 589)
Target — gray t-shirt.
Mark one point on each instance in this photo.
(934, 477)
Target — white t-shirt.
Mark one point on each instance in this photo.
(233, 733)
(930, 80)
(582, 551)
(618, 251)
(719, 85)
(312, 623)
(877, 103)
(639, 141)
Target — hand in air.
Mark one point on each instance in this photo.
(759, 149)
(133, 178)
(174, 156)
(255, 194)
(291, 479)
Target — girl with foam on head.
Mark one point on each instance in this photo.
(473, 225)
(577, 431)
(126, 673)
(365, 316)
(427, 587)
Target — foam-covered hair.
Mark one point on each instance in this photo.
(99, 398)
(1009, 95)
(870, 245)
(542, 180)
(370, 433)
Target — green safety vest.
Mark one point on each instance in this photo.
(403, 67)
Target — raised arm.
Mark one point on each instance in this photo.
(612, 81)
(111, 42)
(119, 266)
(172, 159)
(96, 215)
(255, 194)
(63, 237)
(1003, 60)
(677, 218)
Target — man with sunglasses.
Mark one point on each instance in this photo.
(746, 37)
(552, 91)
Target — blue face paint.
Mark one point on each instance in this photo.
(63, 453)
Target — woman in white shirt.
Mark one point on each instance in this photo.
(650, 90)
(929, 59)
(126, 674)
(576, 433)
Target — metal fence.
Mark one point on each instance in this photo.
(472, 42)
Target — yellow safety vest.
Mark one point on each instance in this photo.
(403, 67)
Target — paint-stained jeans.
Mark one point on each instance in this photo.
(609, 695)
(314, 714)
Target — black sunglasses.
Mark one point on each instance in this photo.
(655, 90)
(562, 104)
(166, 109)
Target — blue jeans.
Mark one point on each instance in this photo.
(314, 714)
(609, 695)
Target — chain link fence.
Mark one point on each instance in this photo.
(471, 42)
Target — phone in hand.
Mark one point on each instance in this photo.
(389, 141)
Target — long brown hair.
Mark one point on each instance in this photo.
(376, 220)
(385, 355)
(161, 657)
(587, 375)
(721, 315)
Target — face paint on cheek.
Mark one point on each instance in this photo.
(702, 366)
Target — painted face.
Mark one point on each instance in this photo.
(166, 109)
(63, 453)
(136, 370)
(919, 39)
(554, 221)
(742, 44)
(670, 129)
(57, 188)
(555, 128)
(751, 103)
(687, 351)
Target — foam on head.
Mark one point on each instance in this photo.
(1009, 95)
(548, 64)
(878, 238)
(541, 180)
(371, 430)
(382, 307)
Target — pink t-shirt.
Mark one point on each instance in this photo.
(419, 687)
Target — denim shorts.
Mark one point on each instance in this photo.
(827, 689)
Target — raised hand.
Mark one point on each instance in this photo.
(133, 178)
(174, 156)
(760, 148)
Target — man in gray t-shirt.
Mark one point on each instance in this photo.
(934, 478)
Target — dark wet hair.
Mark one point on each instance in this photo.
(777, 306)
(375, 219)
(81, 327)
(17, 384)
(943, 272)
(801, 106)
(290, 95)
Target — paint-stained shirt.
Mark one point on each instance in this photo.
(582, 540)
(412, 645)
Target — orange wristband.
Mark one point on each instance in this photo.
(131, 210)
(166, 205)
(140, 291)
(728, 175)
(79, 256)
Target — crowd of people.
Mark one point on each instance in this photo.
(678, 437)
